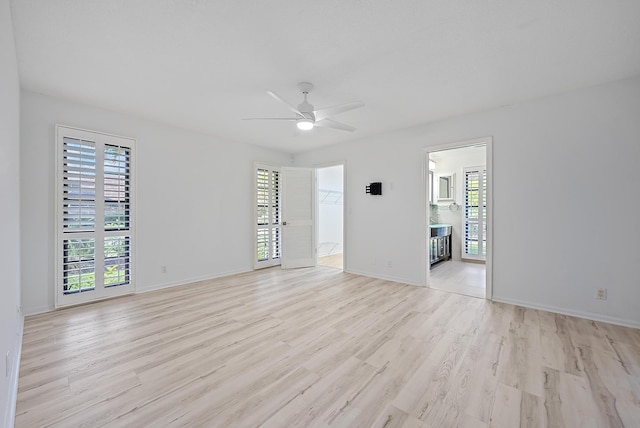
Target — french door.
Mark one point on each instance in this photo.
(285, 232)
(474, 244)
(94, 216)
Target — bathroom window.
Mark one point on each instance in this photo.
(475, 213)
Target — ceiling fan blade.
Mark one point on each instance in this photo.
(270, 118)
(328, 123)
(324, 113)
(285, 102)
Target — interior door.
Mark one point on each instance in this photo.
(298, 217)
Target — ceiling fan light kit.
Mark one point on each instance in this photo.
(304, 124)
(306, 115)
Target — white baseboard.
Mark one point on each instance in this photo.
(37, 311)
(10, 411)
(385, 277)
(188, 281)
(564, 311)
(45, 309)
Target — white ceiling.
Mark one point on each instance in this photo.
(205, 64)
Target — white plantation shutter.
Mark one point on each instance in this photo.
(79, 184)
(117, 215)
(474, 245)
(79, 264)
(275, 215)
(79, 215)
(117, 172)
(267, 218)
(94, 250)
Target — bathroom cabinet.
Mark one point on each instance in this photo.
(439, 243)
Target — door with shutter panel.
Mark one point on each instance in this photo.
(94, 216)
(267, 216)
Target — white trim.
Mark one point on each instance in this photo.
(489, 196)
(39, 310)
(14, 374)
(488, 142)
(342, 163)
(386, 278)
(564, 311)
(191, 280)
(162, 286)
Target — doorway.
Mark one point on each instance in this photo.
(331, 216)
(458, 217)
(284, 217)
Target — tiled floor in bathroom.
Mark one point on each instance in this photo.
(459, 277)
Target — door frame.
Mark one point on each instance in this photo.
(342, 163)
(488, 141)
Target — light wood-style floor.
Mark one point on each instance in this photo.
(459, 277)
(320, 347)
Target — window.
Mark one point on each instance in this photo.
(95, 216)
(475, 213)
(268, 229)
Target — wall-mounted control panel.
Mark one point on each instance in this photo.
(374, 188)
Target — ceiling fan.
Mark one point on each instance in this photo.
(307, 117)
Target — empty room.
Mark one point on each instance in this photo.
(319, 213)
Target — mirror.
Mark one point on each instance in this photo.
(446, 187)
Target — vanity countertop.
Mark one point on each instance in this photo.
(439, 230)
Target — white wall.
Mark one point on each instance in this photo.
(194, 198)
(448, 162)
(552, 159)
(329, 213)
(10, 318)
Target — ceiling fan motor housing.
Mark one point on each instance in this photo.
(307, 110)
(305, 107)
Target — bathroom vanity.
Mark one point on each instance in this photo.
(439, 243)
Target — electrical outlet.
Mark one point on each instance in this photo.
(389, 263)
(601, 294)
(163, 269)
